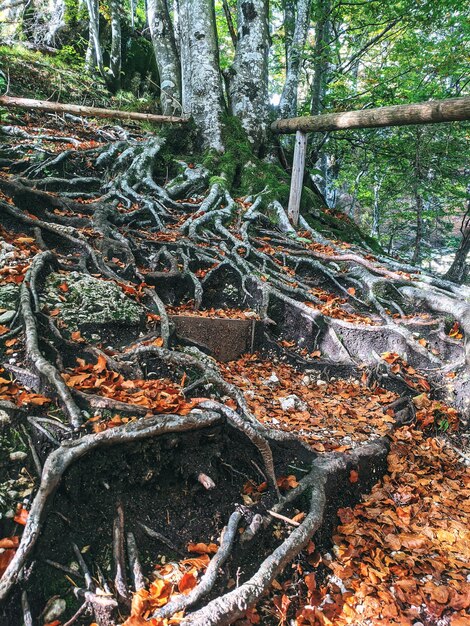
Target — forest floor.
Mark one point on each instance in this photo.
(320, 476)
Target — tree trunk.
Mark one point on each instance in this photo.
(288, 102)
(166, 54)
(230, 26)
(418, 176)
(201, 79)
(288, 9)
(94, 56)
(459, 269)
(320, 54)
(376, 209)
(115, 53)
(248, 85)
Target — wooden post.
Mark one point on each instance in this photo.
(298, 169)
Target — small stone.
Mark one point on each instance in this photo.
(4, 419)
(271, 381)
(18, 456)
(306, 381)
(54, 609)
(289, 403)
(321, 382)
(250, 314)
(10, 514)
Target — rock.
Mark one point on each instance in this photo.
(7, 253)
(291, 403)
(9, 295)
(4, 418)
(18, 456)
(90, 301)
(321, 382)
(272, 381)
(54, 609)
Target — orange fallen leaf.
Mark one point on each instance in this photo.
(287, 482)
(353, 476)
(21, 516)
(187, 582)
(202, 548)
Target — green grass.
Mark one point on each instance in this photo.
(62, 78)
(44, 77)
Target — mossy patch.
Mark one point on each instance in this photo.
(9, 294)
(337, 225)
(90, 301)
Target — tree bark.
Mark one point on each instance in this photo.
(419, 204)
(166, 54)
(432, 112)
(459, 269)
(94, 55)
(376, 208)
(294, 52)
(115, 53)
(230, 26)
(248, 84)
(201, 80)
(57, 107)
(320, 54)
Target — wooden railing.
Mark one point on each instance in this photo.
(432, 112)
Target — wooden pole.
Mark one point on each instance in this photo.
(74, 109)
(297, 179)
(432, 112)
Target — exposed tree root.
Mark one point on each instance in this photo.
(172, 244)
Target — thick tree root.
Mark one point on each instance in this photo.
(233, 605)
(69, 452)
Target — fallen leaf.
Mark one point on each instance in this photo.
(202, 548)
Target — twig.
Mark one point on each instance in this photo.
(120, 581)
(134, 563)
(156, 535)
(283, 518)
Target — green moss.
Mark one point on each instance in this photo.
(337, 225)
(218, 180)
(9, 294)
(91, 301)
